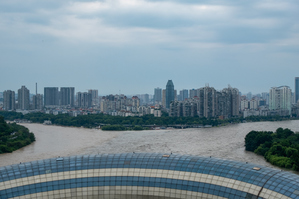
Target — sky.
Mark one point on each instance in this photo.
(134, 46)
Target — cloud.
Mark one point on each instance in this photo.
(135, 21)
(173, 38)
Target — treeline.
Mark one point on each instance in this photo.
(94, 120)
(13, 136)
(123, 128)
(280, 148)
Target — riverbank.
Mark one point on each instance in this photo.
(130, 123)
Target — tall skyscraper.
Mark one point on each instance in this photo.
(51, 96)
(296, 89)
(280, 98)
(169, 93)
(157, 95)
(67, 96)
(23, 98)
(9, 100)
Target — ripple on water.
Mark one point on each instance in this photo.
(225, 142)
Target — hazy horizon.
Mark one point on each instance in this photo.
(134, 46)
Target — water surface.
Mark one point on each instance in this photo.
(225, 142)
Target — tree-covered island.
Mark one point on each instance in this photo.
(280, 148)
(13, 136)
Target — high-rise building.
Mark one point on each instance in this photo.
(67, 96)
(164, 97)
(158, 95)
(207, 102)
(170, 95)
(280, 99)
(193, 93)
(265, 96)
(233, 100)
(144, 98)
(84, 99)
(37, 101)
(23, 98)
(296, 89)
(249, 96)
(293, 98)
(94, 96)
(51, 96)
(253, 104)
(9, 100)
(244, 105)
(135, 101)
(183, 95)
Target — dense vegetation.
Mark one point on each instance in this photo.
(13, 136)
(123, 128)
(279, 148)
(94, 120)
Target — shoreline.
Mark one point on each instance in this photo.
(222, 125)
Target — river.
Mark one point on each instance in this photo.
(225, 142)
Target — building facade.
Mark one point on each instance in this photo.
(193, 93)
(94, 96)
(9, 102)
(265, 96)
(37, 102)
(170, 95)
(280, 99)
(184, 94)
(51, 96)
(158, 95)
(296, 89)
(164, 98)
(208, 103)
(23, 98)
(249, 96)
(67, 96)
(120, 103)
(84, 100)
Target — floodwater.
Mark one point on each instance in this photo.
(225, 142)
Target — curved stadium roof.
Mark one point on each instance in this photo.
(144, 175)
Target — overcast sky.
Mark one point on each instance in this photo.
(133, 46)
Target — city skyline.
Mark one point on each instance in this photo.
(204, 102)
(133, 46)
(151, 92)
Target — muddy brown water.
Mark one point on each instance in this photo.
(225, 142)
